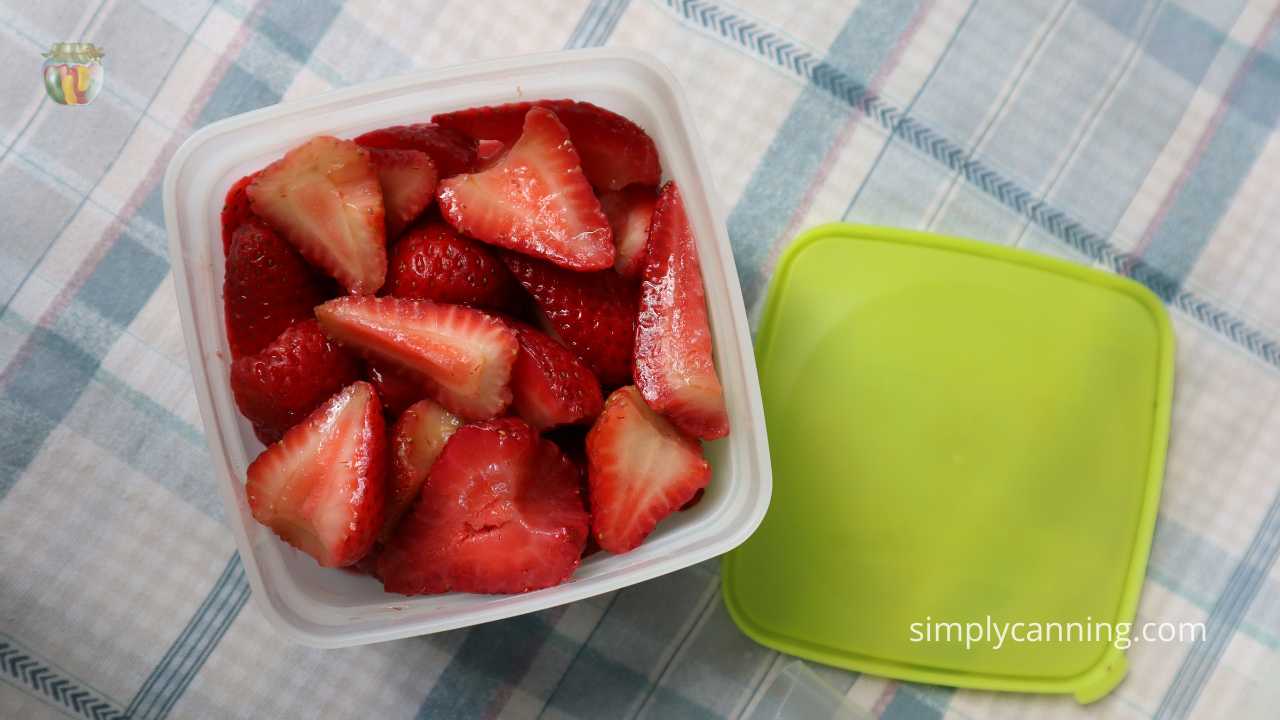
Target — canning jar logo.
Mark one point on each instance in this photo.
(73, 73)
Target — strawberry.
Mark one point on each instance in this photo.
(674, 368)
(630, 212)
(235, 210)
(488, 151)
(397, 388)
(408, 181)
(592, 313)
(499, 513)
(324, 197)
(433, 262)
(640, 469)
(534, 200)
(267, 287)
(322, 487)
(451, 151)
(615, 152)
(282, 384)
(550, 386)
(417, 438)
(462, 356)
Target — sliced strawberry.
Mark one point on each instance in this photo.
(397, 388)
(487, 151)
(267, 287)
(451, 151)
(640, 469)
(463, 356)
(408, 179)
(534, 200)
(235, 210)
(279, 386)
(594, 314)
(324, 197)
(630, 211)
(674, 368)
(615, 151)
(417, 438)
(322, 487)
(499, 513)
(433, 262)
(550, 386)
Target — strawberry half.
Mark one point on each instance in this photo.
(594, 314)
(397, 389)
(266, 288)
(235, 210)
(550, 386)
(433, 262)
(615, 152)
(279, 386)
(321, 488)
(462, 356)
(499, 513)
(324, 197)
(640, 469)
(630, 211)
(534, 200)
(408, 179)
(674, 368)
(417, 438)
(451, 151)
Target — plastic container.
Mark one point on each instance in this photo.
(330, 608)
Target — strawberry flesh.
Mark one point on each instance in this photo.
(397, 388)
(417, 438)
(266, 288)
(235, 210)
(451, 151)
(433, 262)
(550, 386)
(408, 180)
(630, 211)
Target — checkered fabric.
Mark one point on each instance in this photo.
(1134, 135)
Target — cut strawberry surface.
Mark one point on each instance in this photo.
(615, 152)
(674, 369)
(417, 438)
(266, 288)
(433, 262)
(451, 151)
(408, 179)
(397, 388)
(550, 386)
(235, 210)
(324, 197)
(322, 487)
(630, 212)
(499, 513)
(533, 200)
(594, 314)
(640, 469)
(463, 356)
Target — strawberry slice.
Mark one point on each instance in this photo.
(417, 438)
(499, 513)
(324, 197)
(534, 200)
(594, 314)
(433, 262)
(615, 152)
(397, 389)
(462, 356)
(451, 151)
(282, 384)
(322, 487)
(674, 368)
(550, 386)
(630, 211)
(640, 469)
(235, 210)
(267, 287)
(408, 180)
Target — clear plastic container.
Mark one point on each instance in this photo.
(331, 608)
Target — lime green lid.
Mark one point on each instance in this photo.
(958, 431)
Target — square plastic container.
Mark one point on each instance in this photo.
(330, 608)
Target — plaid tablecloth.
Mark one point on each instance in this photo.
(1136, 136)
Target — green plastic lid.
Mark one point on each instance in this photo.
(961, 433)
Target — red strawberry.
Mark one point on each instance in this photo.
(282, 384)
(322, 487)
(463, 356)
(408, 180)
(417, 438)
(535, 200)
(433, 262)
(267, 288)
(630, 212)
(236, 210)
(397, 389)
(592, 313)
(615, 151)
(500, 513)
(488, 151)
(550, 386)
(451, 151)
(640, 469)
(324, 197)
(674, 368)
